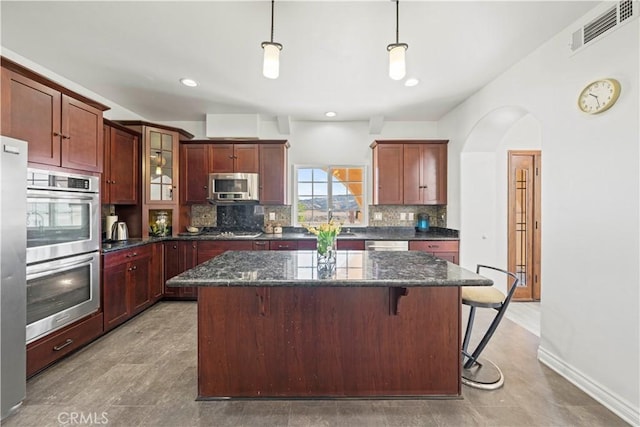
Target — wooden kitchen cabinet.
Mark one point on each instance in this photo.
(120, 180)
(425, 174)
(179, 256)
(273, 172)
(208, 249)
(411, 172)
(283, 245)
(229, 158)
(260, 245)
(194, 171)
(387, 175)
(159, 153)
(62, 128)
(448, 250)
(58, 344)
(126, 284)
(200, 158)
(350, 244)
(156, 289)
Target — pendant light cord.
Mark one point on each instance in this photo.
(397, 21)
(272, 8)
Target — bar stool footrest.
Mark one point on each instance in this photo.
(483, 375)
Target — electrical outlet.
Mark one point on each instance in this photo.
(403, 216)
(272, 216)
(377, 216)
(410, 216)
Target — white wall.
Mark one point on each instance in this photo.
(590, 329)
(116, 112)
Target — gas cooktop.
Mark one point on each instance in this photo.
(234, 234)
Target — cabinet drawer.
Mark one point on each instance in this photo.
(350, 244)
(126, 255)
(434, 245)
(308, 244)
(283, 245)
(47, 350)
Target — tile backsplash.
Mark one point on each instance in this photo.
(255, 216)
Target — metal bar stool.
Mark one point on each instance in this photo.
(477, 372)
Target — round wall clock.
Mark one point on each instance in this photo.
(599, 96)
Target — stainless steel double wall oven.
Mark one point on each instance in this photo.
(63, 242)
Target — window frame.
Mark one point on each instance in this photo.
(365, 192)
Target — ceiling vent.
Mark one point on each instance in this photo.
(613, 17)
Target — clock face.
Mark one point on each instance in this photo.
(599, 96)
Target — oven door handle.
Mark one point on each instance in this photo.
(60, 195)
(47, 268)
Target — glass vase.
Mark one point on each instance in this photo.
(326, 249)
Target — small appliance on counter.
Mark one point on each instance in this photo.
(423, 223)
(119, 231)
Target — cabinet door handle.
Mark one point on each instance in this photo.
(433, 246)
(69, 341)
(260, 243)
(57, 134)
(132, 255)
(283, 246)
(66, 137)
(205, 187)
(113, 182)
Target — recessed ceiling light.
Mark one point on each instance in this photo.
(411, 82)
(330, 114)
(189, 82)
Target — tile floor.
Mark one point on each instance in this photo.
(144, 374)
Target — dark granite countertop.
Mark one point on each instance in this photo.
(291, 233)
(353, 268)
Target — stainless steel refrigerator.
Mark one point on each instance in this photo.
(13, 270)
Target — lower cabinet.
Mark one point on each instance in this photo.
(210, 249)
(58, 344)
(283, 245)
(448, 250)
(179, 256)
(127, 284)
(350, 244)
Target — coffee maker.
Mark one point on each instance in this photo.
(423, 223)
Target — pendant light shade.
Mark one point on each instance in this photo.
(397, 50)
(397, 65)
(271, 62)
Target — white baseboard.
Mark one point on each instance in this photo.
(610, 400)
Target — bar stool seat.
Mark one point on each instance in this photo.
(477, 372)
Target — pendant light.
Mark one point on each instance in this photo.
(397, 65)
(271, 63)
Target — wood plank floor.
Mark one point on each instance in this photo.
(525, 314)
(143, 373)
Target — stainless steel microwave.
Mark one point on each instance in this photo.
(233, 187)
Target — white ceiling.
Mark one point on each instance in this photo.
(334, 55)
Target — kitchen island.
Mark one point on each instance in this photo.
(272, 324)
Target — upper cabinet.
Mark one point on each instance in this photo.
(200, 158)
(120, 179)
(410, 172)
(160, 173)
(273, 172)
(61, 127)
(231, 158)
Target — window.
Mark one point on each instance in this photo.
(325, 192)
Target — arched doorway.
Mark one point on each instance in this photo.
(484, 186)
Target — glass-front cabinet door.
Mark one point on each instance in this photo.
(161, 166)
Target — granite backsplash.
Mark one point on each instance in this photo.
(255, 216)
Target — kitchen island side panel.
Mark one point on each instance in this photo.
(312, 341)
